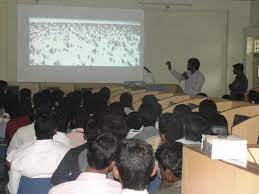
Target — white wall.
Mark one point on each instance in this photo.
(239, 17)
(255, 12)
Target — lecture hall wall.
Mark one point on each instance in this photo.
(210, 30)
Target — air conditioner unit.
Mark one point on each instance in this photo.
(166, 2)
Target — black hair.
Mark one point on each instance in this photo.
(133, 121)
(61, 121)
(169, 156)
(182, 108)
(105, 93)
(135, 162)
(126, 100)
(86, 95)
(102, 151)
(116, 108)
(171, 127)
(208, 109)
(57, 99)
(25, 95)
(148, 115)
(114, 124)
(45, 125)
(195, 63)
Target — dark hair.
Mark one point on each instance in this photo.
(102, 151)
(126, 100)
(133, 121)
(25, 95)
(61, 121)
(170, 126)
(135, 162)
(148, 115)
(106, 93)
(116, 108)
(57, 98)
(182, 108)
(208, 109)
(194, 62)
(44, 126)
(194, 125)
(114, 124)
(43, 106)
(86, 95)
(169, 156)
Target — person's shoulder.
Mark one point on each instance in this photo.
(67, 187)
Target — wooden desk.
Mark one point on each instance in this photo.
(250, 111)
(201, 175)
(248, 130)
(174, 99)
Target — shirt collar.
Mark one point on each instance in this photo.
(91, 176)
(131, 191)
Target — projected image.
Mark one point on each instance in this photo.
(67, 42)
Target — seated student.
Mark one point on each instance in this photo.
(18, 120)
(25, 99)
(126, 101)
(116, 108)
(169, 157)
(148, 117)
(100, 158)
(134, 124)
(26, 135)
(253, 97)
(75, 161)
(170, 127)
(39, 159)
(208, 109)
(134, 165)
(77, 135)
(105, 94)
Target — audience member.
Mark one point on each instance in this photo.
(116, 108)
(134, 124)
(148, 118)
(77, 135)
(253, 97)
(169, 157)
(170, 127)
(208, 109)
(39, 159)
(135, 164)
(100, 158)
(126, 101)
(18, 120)
(25, 100)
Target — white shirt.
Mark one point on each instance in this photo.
(26, 136)
(130, 191)
(133, 132)
(92, 183)
(187, 142)
(194, 82)
(37, 160)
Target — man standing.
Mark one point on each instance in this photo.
(239, 86)
(193, 78)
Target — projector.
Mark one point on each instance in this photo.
(231, 148)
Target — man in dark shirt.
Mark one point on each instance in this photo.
(239, 86)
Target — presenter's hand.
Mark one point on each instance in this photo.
(169, 65)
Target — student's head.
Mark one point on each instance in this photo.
(193, 65)
(133, 121)
(126, 99)
(45, 126)
(238, 69)
(86, 97)
(105, 93)
(148, 115)
(114, 124)
(25, 95)
(101, 153)
(149, 100)
(208, 108)
(194, 125)
(253, 97)
(61, 121)
(16, 110)
(182, 108)
(57, 98)
(3, 86)
(116, 108)
(43, 106)
(170, 128)
(135, 164)
(169, 157)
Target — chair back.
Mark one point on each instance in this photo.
(34, 185)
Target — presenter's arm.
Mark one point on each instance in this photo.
(177, 75)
